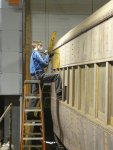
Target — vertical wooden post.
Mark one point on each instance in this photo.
(26, 55)
(107, 94)
(27, 49)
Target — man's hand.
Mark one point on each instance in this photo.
(51, 54)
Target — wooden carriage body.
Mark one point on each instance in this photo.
(83, 120)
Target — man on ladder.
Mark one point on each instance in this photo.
(37, 65)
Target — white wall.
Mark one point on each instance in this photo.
(43, 26)
(59, 16)
(98, 3)
(10, 49)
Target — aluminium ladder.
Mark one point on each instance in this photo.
(28, 136)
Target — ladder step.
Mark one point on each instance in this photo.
(30, 121)
(31, 138)
(32, 146)
(32, 107)
(32, 110)
(31, 81)
(30, 133)
(32, 97)
(33, 124)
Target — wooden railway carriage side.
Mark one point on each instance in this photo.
(83, 120)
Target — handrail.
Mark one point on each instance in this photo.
(8, 109)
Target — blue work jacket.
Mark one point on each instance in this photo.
(38, 63)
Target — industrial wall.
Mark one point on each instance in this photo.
(15, 120)
(10, 49)
(10, 66)
(61, 16)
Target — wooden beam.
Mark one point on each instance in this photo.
(27, 49)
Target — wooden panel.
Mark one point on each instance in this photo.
(90, 136)
(100, 135)
(61, 71)
(108, 38)
(81, 50)
(62, 53)
(66, 85)
(111, 94)
(95, 42)
(80, 132)
(63, 87)
(82, 88)
(90, 90)
(56, 60)
(101, 91)
(66, 74)
(76, 86)
(72, 52)
(82, 139)
(101, 40)
(110, 142)
(76, 50)
(71, 86)
(88, 46)
(67, 53)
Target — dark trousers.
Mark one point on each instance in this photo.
(46, 78)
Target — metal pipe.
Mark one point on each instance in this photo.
(6, 111)
(10, 127)
(9, 109)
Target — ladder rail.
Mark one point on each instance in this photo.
(22, 125)
(35, 109)
(42, 118)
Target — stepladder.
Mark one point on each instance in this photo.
(32, 128)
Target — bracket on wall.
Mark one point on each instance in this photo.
(14, 2)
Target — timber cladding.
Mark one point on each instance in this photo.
(85, 113)
(90, 47)
(78, 131)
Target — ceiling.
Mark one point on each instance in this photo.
(67, 6)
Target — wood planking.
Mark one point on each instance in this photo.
(56, 59)
(27, 48)
(82, 88)
(93, 78)
(27, 51)
(95, 44)
(90, 90)
(93, 86)
(80, 132)
(75, 92)
(71, 77)
(101, 91)
(110, 94)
